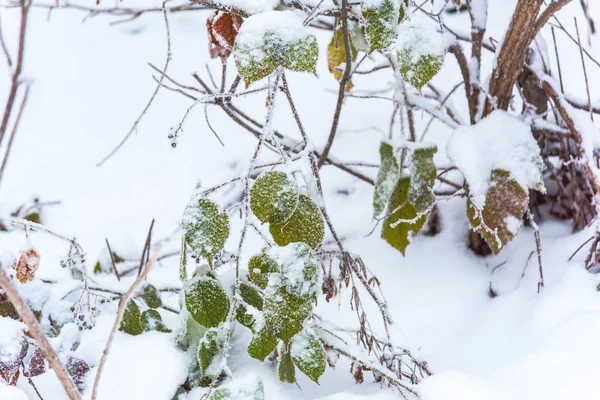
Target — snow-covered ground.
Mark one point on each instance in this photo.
(90, 80)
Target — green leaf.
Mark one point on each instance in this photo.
(220, 394)
(305, 225)
(206, 301)
(422, 177)
(262, 344)
(420, 51)
(208, 349)
(131, 319)
(286, 371)
(151, 296)
(252, 297)
(152, 321)
(403, 10)
(380, 23)
(505, 204)
(284, 311)
(205, 228)
(8, 310)
(398, 237)
(309, 354)
(274, 197)
(274, 39)
(387, 177)
(259, 268)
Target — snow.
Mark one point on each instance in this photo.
(284, 26)
(250, 6)
(10, 339)
(420, 38)
(520, 345)
(499, 141)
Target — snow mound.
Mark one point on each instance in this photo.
(420, 37)
(499, 141)
(250, 6)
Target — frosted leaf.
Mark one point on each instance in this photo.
(309, 354)
(206, 301)
(283, 310)
(336, 56)
(246, 388)
(274, 197)
(403, 10)
(151, 320)
(151, 296)
(505, 204)
(420, 51)
(299, 268)
(28, 263)
(131, 319)
(499, 141)
(221, 394)
(205, 228)
(77, 369)
(381, 18)
(208, 349)
(259, 268)
(272, 39)
(422, 177)
(305, 225)
(387, 176)
(286, 370)
(262, 344)
(251, 297)
(222, 28)
(398, 237)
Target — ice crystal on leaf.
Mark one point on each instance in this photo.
(305, 225)
(381, 18)
(259, 268)
(309, 354)
(206, 301)
(274, 197)
(205, 228)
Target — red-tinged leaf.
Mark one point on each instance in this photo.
(222, 30)
(10, 363)
(37, 364)
(77, 368)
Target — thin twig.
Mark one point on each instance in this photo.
(156, 90)
(112, 259)
(119, 318)
(13, 134)
(587, 83)
(35, 330)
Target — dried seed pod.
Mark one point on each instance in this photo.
(222, 30)
(27, 265)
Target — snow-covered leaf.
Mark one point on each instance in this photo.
(77, 369)
(13, 349)
(422, 175)
(305, 225)
(131, 319)
(283, 310)
(505, 204)
(387, 177)
(260, 267)
(151, 296)
(274, 39)
(151, 320)
(381, 18)
(206, 301)
(206, 229)
(309, 354)
(28, 263)
(221, 394)
(262, 344)
(274, 197)
(299, 268)
(420, 51)
(399, 236)
(222, 28)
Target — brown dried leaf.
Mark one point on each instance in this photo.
(37, 364)
(11, 364)
(222, 29)
(28, 263)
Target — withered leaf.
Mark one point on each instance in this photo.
(28, 263)
(222, 30)
(77, 368)
(10, 364)
(37, 364)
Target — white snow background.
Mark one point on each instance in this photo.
(90, 80)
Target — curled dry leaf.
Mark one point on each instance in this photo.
(28, 263)
(222, 29)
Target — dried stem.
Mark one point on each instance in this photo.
(13, 133)
(119, 318)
